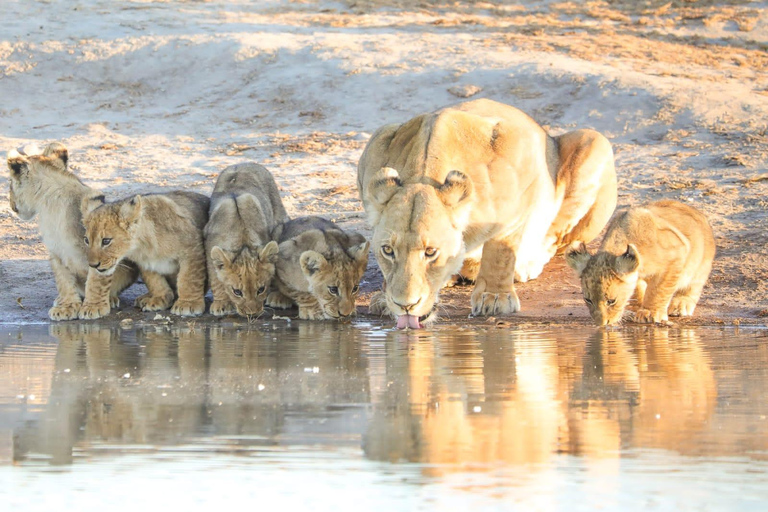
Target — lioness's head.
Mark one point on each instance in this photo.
(246, 275)
(417, 239)
(109, 230)
(29, 167)
(335, 281)
(608, 280)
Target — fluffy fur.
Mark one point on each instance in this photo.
(661, 254)
(163, 234)
(319, 268)
(41, 185)
(478, 179)
(245, 208)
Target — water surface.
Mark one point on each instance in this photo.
(357, 417)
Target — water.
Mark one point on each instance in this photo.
(338, 417)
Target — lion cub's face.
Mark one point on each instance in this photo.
(336, 283)
(109, 231)
(29, 169)
(608, 281)
(246, 276)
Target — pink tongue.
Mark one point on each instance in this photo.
(411, 321)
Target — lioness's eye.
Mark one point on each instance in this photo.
(587, 301)
(334, 290)
(86, 241)
(105, 242)
(610, 302)
(238, 293)
(430, 252)
(387, 250)
(355, 289)
(261, 290)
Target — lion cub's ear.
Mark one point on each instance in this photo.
(359, 252)
(17, 163)
(269, 252)
(456, 189)
(90, 203)
(130, 211)
(57, 154)
(311, 262)
(577, 257)
(627, 262)
(219, 258)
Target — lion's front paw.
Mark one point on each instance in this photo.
(682, 306)
(646, 316)
(114, 301)
(222, 308)
(148, 302)
(66, 311)
(489, 303)
(278, 300)
(93, 310)
(311, 313)
(188, 307)
(378, 305)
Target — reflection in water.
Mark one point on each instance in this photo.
(448, 401)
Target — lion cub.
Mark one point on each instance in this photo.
(41, 184)
(245, 207)
(662, 253)
(319, 268)
(163, 234)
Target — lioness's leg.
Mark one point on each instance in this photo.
(96, 303)
(66, 306)
(191, 286)
(159, 295)
(494, 291)
(221, 305)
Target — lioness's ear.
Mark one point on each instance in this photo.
(131, 210)
(312, 262)
(58, 154)
(577, 257)
(219, 258)
(456, 189)
(17, 163)
(359, 252)
(269, 252)
(383, 185)
(627, 262)
(90, 203)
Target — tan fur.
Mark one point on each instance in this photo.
(245, 208)
(661, 254)
(163, 234)
(319, 268)
(42, 186)
(479, 177)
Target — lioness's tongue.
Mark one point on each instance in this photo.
(411, 321)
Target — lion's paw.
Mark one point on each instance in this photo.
(222, 308)
(646, 316)
(682, 306)
(378, 305)
(150, 302)
(114, 301)
(93, 310)
(311, 313)
(278, 300)
(488, 303)
(66, 311)
(188, 307)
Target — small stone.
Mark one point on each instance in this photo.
(464, 91)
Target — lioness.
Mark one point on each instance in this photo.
(41, 184)
(245, 208)
(163, 234)
(662, 253)
(478, 179)
(319, 268)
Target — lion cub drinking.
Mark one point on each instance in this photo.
(163, 234)
(41, 184)
(319, 268)
(245, 208)
(662, 253)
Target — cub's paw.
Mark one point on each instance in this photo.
(682, 306)
(646, 316)
(148, 302)
(278, 300)
(222, 308)
(114, 301)
(93, 310)
(378, 305)
(187, 307)
(66, 311)
(489, 303)
(311, 313)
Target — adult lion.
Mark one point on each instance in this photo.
(477, 180)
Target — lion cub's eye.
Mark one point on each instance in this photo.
(610, 302)
(334, 290)
(430, 252)
(587, 301)
(105, 242)
(261, 290)
(87, 242)
(387, 250)
(355, 289)
(238, 293)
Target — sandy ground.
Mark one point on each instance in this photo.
(157, 95)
